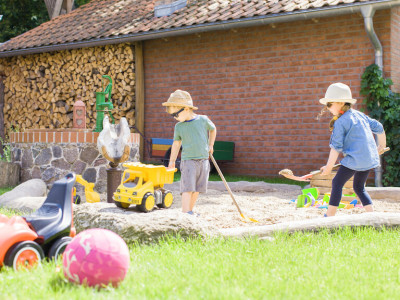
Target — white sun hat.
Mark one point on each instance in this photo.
(180, 98)
(338, 92)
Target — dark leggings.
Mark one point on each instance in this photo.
(342, 176)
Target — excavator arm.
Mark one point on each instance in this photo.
(90, 194)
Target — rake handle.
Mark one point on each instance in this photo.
(225, 183)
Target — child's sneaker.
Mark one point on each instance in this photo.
(193, 213)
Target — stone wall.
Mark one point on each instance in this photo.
(50, 155)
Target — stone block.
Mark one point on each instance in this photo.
(27, 160)
(60, 163)
(89, 154)
(9, 174)
(57, 151)
(44, 157)
(71, 154)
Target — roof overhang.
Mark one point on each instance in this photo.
(308, 14)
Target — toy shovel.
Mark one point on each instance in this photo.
(230, 192)
(289, 174)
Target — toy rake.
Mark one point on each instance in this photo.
(245, 218)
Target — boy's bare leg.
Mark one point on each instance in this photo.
(369, 208)
(186, 201)
(193, 199)
(331, 211)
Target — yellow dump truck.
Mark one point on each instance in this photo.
(143, 185)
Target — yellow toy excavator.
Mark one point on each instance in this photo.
(90, 195)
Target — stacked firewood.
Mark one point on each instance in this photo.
(41, 89)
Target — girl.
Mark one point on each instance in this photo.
(352, 134)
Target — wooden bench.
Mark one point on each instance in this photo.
(161, 148)
(324, 185)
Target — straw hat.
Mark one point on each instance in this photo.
(180, 98)
(338, 92)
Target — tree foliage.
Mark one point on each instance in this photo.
(20, 16)
(384, 105)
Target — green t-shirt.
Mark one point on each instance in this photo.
(194, 137)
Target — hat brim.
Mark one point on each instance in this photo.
(178, 104)
(324, 101)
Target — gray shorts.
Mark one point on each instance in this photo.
(194, 175)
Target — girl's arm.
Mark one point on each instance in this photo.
(211, 139)
(176, 145)
(333, 156)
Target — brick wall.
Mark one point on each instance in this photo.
(261, 85)
(60, 136)
(395, 48)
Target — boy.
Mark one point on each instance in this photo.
(196, 134)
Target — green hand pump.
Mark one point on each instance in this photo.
(102, 105)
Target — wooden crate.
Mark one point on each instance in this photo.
(324, 185)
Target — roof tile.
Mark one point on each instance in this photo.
(105, 18)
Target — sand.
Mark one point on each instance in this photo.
(267, 207)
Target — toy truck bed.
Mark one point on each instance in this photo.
(158, 175)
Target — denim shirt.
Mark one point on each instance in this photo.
(352, 135)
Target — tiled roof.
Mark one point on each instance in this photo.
(101, 19)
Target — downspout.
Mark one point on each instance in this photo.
(368, 12)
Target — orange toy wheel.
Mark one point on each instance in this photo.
(24, 255)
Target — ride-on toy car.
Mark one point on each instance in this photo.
(143, 185)
(25, 241)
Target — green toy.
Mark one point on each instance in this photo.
(102, 105)
(313, 191)
(301, 200)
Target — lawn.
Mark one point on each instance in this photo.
(4, 190)
(361, 263)
(347, 264)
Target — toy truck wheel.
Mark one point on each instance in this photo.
(121, 204)
(148, 202)
(167, 200)
(24, 255)
(58, 247)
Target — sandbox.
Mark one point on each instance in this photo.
(269, 204)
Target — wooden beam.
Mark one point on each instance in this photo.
(58, 7)
(2, 133)
(374, 219)
(67, 5)
(139, 91)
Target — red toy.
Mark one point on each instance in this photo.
(25, 241)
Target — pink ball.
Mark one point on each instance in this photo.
(96, 257)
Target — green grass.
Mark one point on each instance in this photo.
(8, 211)
(4, 190)
(363, 263)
